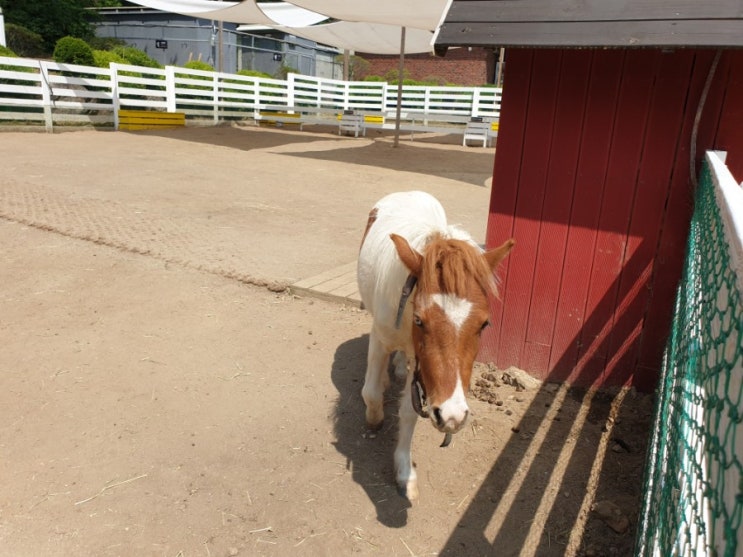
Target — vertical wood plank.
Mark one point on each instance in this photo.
(730, 132)
(621, 178)
(504, 191)
(531, 190)
(675, 227)
(665, 122)
(601, 106)
(555, 215)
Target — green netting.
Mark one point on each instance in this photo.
(694, 478)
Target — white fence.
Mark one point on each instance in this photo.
(35, 91)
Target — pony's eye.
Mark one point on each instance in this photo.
(482, 327)
(418, 321)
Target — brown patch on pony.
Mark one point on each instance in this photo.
(372, 219)
(450, 265)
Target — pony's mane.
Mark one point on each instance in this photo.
(449, 265)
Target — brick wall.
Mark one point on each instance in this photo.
(460, 66)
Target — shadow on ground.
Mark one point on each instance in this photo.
(368, 460)
(428, 154)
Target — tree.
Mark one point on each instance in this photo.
(53, 19)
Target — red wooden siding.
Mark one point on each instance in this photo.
(591, 177)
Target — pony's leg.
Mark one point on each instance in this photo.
(375, 382)
(400, 361)
(407, 479)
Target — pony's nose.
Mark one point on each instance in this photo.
(450, 423)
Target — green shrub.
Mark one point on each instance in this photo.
(198, 65)
(103, 58)
(284, 71)
(23, 41)
(374, 78)
(136, 57)
(71, 50)
(5, 51)
(105, 43)
(255, 73)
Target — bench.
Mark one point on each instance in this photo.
(478, 129)
(280, 119)
(351, 123)
(131, 120)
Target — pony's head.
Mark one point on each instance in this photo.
(450, 311)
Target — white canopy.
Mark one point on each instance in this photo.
(418, 14)
(371, 26)
(376, 38)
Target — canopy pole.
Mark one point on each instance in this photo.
(346, 59)
(400, 69)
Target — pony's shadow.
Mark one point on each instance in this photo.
(368, 458)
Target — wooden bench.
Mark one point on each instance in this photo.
(150, 120)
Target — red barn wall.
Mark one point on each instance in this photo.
(461, 66)
(592, 178)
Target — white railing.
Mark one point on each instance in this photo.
(37, 91)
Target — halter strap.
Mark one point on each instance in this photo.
(407, 290)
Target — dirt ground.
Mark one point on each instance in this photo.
(162, 394)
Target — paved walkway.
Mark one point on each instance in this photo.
(338, 284)
(271, 208)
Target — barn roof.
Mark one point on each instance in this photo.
(593, 23)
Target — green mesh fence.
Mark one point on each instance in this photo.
(694, 478)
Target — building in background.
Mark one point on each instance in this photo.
(174, 40)
(461, 66)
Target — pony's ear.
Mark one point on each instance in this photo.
(496, 255)
(411, 258)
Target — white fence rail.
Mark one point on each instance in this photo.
(37, 91)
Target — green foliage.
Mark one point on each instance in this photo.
(70, 50)
(24, 42)
(103, 58)
(105, 43)
(198, 65)
(284, 71)
(392, 76)
(136, 57)
(51, 19)
(433, 80)
(255, 73)
(357, 66)
(5, 51)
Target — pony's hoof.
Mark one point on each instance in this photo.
(374, 418)
(374, 427)
(408, 490)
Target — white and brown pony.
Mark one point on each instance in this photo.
(426, 285)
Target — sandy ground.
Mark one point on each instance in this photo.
(161, 393)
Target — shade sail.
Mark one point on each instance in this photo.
(419, 14)
(375, 38)
(371, 26)
(241, 12)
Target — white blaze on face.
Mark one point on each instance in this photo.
(456, 309)
(454, 410)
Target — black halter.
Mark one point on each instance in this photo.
(407, 290)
